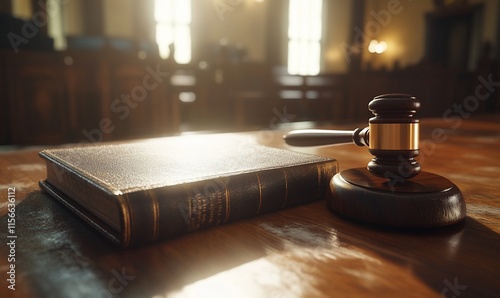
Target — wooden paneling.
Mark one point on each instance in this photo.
(438, 88)
(85, 89)
(138, 103)
(76, 96)
(319, 98)
(4, 105)
(37, 99)
(73, 96)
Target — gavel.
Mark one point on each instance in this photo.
(392, 135)
(388, 191)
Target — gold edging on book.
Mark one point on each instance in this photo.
(260, 193)
(156, 214)
(122, 200)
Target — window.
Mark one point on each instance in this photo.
(304, 36)
(55, 24)
(173, 20)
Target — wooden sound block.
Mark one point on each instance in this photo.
(426, 200)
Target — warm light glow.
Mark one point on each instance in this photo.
(377, 47)
(173, 20)
(304, 33)
(55, 24)
(187, 97)
(256, 278)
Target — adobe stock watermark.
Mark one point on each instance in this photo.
(452, 290)
(454, 115)
(31, 27)
(116, 285)
(372, 29)
(223, 6)
(122, 106)
(11, 238)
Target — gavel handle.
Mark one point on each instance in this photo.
(318, 137)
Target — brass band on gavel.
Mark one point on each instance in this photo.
(394, 136)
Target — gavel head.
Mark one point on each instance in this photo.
(393, 136)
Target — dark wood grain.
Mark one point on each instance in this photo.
(425, 201)
(301, 251)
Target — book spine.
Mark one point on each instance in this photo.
(176, 210)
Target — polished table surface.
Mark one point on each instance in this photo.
(305, 251)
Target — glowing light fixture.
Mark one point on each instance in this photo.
(377, 47)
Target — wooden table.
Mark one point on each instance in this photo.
(302, 251)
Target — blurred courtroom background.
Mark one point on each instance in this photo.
(100, 70)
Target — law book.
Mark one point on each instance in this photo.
(155, 189)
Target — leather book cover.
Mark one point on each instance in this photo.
(155, 189)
